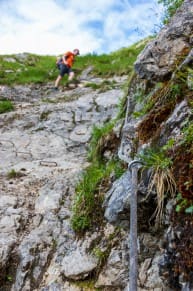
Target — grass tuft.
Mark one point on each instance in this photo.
(162, 180)
(5, 106)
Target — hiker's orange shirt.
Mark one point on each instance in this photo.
(69, 58)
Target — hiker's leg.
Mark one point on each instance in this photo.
(71, 76)
(63, 70)
(58, 81)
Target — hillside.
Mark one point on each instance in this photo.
(27, 68)
(67, 167)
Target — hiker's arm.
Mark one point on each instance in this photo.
(64, 59)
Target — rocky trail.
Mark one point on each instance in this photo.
(43, 149)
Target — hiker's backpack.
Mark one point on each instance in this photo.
(58, 61)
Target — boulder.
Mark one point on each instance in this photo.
(78, 265)
(157, 61)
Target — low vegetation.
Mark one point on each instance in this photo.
(162, 180)
(103, 86)
(170, 8)
(97, 178)
(44, 115)
(105, 167)
(13, 174)
(29, 68)
(157, 106)
(6, 106)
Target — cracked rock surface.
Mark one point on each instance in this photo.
(43, 146)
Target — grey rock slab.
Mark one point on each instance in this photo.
(85, 74)
(34, 253)
(50, 197)
(81, 134)
(9, 224)
(117, 198)
(176, 120)
(153, 279)
(85, 103)
(129, 134)
(7, 201)
(108, 99)
(9, 60)
(119, 79)
(78, 265)
(7, 243)
(117, 201)
(52, 151)
(158, 59)
(115, 273)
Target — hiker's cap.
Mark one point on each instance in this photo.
(76, 51)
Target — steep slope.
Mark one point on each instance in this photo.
(57, 236)
(158, 133)
(43, 150)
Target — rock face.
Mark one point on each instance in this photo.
(44, 142)
(78, 265)
(165, 267)
(117, 200)
(159, 58)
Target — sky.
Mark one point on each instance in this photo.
(52, 27)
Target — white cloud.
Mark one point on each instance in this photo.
(54, 26)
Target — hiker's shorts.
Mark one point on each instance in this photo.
(64, 69)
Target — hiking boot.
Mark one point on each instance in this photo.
(55, 89)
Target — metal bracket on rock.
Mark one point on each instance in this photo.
(48, 164)
(134, 163)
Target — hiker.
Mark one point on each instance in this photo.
(64, 65)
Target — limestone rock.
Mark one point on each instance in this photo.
(108, 99)
(115, 273)
(175, 122)
(117, 199)
(77, 265)
(158, 59)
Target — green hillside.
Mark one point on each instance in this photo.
(30, 68)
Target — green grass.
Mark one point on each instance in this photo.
(13, 174)
(86, 285)
(170, 8)
(188, 133)
(41, 69)
(156, 158)
(44, 115)
(117, 63)
(33, 69)
(103, 86)
(85, 202)
(87, 206)
(94, 182)
(96, 179)
(98, 132)
(5, 106)
(184, 205)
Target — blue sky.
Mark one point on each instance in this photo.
(55, 26)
